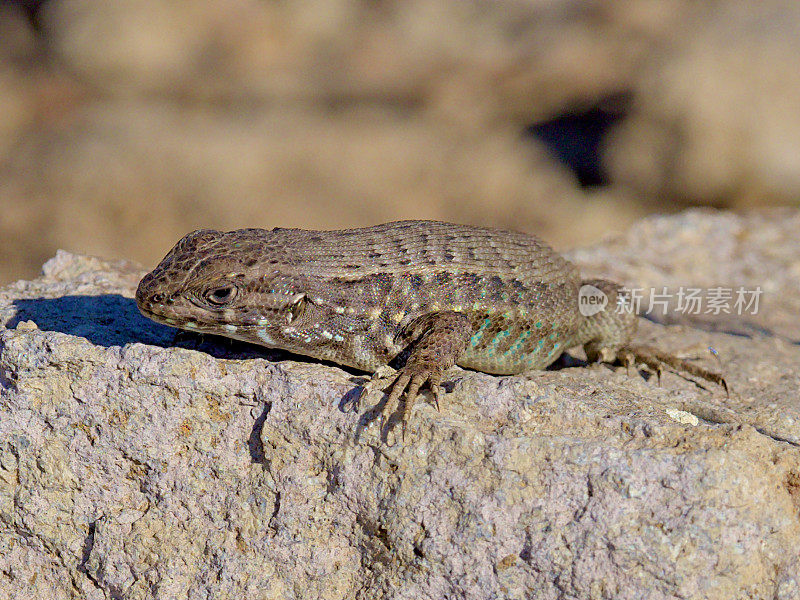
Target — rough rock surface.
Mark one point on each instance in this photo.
(133, 467)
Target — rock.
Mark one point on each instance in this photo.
(135, 467)
(467, 61)
(163, 171)
(714, 119)
(321, 113)
(705, 249)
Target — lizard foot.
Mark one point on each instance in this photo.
(656, 360)
(409, 379)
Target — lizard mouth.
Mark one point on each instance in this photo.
(174, 318)
(150, 309)
(157, 306)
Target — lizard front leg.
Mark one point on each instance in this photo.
(436, 342)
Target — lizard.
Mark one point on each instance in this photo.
(419, 295)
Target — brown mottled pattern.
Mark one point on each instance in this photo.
(410, 268)
(433, 293)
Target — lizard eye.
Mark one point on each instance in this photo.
(220, 295)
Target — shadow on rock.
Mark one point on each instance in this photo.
(114, 320)
(106, 320)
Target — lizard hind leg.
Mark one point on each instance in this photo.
(656, 360)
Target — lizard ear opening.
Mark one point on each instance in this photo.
(297, 308)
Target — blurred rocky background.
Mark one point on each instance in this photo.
(125, 124)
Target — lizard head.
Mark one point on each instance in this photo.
(215, 282)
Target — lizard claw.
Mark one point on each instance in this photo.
(626, 357)
(380, 380)
(435, 384)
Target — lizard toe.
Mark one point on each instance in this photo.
(411, 396)
(398, 387)
(408, 382)
(435, 383)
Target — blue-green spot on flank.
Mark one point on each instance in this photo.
(492, 347)
(538, 345)
(476, 337)
(518, 344)
(538, 324)
(500, 335)
(553, 335)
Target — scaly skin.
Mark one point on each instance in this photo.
(424, 294)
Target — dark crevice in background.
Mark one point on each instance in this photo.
(30, 8)
(576, 137)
